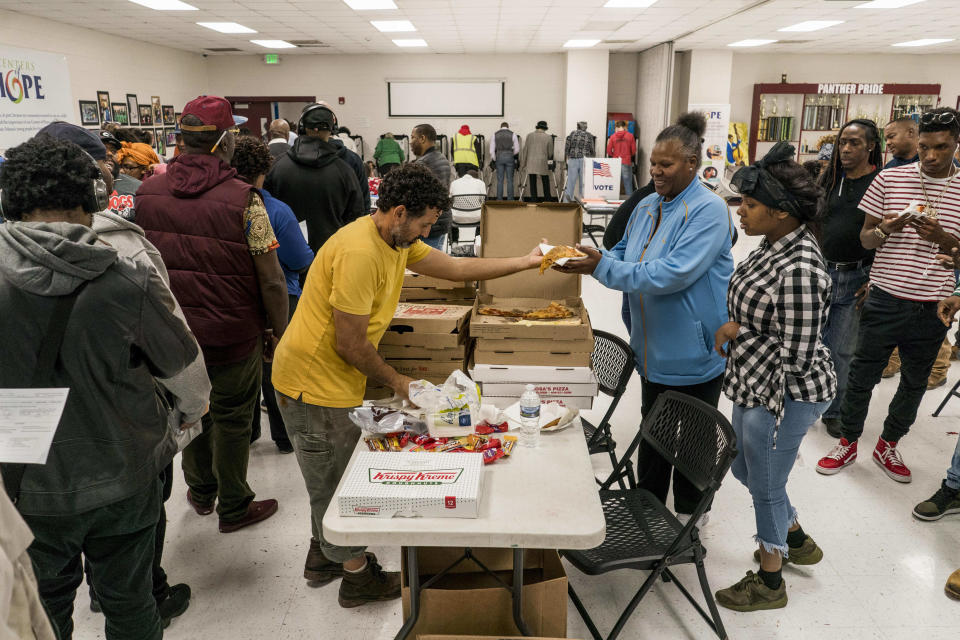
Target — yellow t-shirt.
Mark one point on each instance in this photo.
(355, 272)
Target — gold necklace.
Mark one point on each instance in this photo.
(932, 210)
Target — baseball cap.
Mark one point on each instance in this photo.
(85, 139)
(108, 138)
(213, 111)
(542, 125)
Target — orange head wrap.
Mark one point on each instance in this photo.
(139, 152)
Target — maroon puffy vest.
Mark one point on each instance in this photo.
(193, 214)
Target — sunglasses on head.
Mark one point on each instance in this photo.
(942, 118)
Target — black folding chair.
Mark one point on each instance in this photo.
(641, 532)
(613, 364)
(590, 229)
(466, 203)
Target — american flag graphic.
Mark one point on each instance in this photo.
(601, 169)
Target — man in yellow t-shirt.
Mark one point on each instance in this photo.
(330, 350)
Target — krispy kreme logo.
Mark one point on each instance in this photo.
(409, 478)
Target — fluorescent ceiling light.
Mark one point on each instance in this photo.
(886, 4)
(165, 5)
(925, 42)
(812, 25)
(579, 44)
(410, 42)
(274, 44)
(388, 26)
(628, 4)
(369, 5)
(227, 27)
(750, 43)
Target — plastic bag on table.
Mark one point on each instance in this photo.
(382, 420)
(451, 409)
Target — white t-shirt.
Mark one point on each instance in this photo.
(465, 186)
(905, 266)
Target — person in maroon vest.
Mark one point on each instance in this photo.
(213, 233)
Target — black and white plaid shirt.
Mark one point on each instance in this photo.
(780, 295)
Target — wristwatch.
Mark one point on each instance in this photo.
(879, 233)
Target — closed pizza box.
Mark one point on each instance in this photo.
(418, 369)
(485, 354)
(583, 403)
(405, 337)
(382, 484)
(507, 343)
(411, 279)
(437, 295)
(552, 389)
(405, 352)
(484, 373)
(430, 318)
(576, 328)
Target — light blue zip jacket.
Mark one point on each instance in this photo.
(676, 281)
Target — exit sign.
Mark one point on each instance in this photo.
(271, 58)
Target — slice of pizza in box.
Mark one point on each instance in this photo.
(403, 484)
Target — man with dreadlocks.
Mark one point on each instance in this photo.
(855, 162)
(912, 214)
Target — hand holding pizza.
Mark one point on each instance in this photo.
(584, 266)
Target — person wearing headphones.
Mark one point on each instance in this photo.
(98, 494)
(315, 179)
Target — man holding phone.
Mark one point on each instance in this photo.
(906, 283)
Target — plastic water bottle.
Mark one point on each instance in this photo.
(529, 417)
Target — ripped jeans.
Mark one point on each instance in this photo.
(764, 470)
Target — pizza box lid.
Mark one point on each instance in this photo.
(511, 229)
(411, 279)
(429, 318)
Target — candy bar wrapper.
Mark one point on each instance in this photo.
(509, 442)
(493, 443)
(454, 445)
(394, 443)
(377, 444)
(492, 455)
(485, 428)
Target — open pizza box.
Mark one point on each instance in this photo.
(512, 229)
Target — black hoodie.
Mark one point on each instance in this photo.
(314, 178)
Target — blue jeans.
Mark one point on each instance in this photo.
(842, 326)
(505, 168)
(953, 473)
(574, 176)
(626, 176)
(435, 241)
(765, 470)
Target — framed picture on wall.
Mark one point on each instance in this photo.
(160, 142)
(133, 108)
(169, 115)
(146, 115)
(103, 104)
(170, 136)
(157, 113)
(89, 113)
(120, 112)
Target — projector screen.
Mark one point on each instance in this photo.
(442, 98)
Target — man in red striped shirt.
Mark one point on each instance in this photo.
(906, 282)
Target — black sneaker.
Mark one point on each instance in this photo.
(175, 603)
(944, 502)
(373, 584)
(833, 427)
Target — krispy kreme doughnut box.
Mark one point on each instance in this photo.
(401, 484)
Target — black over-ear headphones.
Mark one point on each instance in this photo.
(95, 200)
(301, 129)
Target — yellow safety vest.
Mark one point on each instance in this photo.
(463, 150)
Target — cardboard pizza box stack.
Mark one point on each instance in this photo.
(426, 341)
(553, 355)
(419, 288)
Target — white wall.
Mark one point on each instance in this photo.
(710, 75)
(100, 62)
(586, 83)
(752, 68)
(534, 87)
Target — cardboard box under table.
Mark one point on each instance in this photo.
(510, 229)
(541, 498)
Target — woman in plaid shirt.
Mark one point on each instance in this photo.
(779, 374)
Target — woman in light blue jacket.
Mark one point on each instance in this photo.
(674, 264)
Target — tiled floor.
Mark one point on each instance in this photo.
(881, 579)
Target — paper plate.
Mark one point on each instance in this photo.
(549, 411)
(562, 261)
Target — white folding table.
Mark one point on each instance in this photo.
(540, 498)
